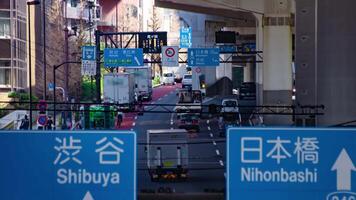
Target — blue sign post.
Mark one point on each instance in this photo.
(88, 60)
(293, 164)
(123, 57)
(89, 53)
(203, 57)
(185, 37)
(68, 165)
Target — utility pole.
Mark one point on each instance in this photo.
(44, 50)
(66, 67)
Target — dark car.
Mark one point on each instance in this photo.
(189, 121)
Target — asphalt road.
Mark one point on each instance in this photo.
(206, 161)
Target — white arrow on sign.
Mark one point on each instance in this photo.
(88, 196)
(138, 62)
(343, 167)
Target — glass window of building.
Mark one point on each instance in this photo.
(4, 28)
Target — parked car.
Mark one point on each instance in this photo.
(189, 121)
(168, 79)
(187, 80)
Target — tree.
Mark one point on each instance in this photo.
(155, 25)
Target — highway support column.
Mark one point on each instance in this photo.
(277, 58)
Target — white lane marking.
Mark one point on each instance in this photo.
(135, 117)
(208, 121)
(134, 124)
(221, 162)
(211, 135)
(214, 143)
(209, 128)
(217, 152)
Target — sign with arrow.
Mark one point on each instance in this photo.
(88, 60)
(123, 57)
(74, 165)
(291, 163)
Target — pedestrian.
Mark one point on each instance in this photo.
(25, 123)
(50, 123)
(119, 119)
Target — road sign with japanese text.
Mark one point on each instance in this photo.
(88, 60)
(123, 57)
(293, 164)
(152, 42)
(68, 165)
(185, 37)
(203, 57)
(170, 56)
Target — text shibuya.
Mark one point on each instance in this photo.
(281, 175)
(82, 176)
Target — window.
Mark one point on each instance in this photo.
(4, 14)
(4, 28)
(168, 75)
(5, 76)
(74, 3)
(21, 30)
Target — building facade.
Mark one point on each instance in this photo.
(13, 46)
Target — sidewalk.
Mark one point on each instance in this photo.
(11, 119)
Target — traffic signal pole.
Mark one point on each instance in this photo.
(98, 72)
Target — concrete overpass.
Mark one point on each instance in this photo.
(325, 72)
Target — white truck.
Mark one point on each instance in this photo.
(143, 81)
(230, 115)
(167, 154)
(120, 88)
(189, 101)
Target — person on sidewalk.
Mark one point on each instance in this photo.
(119, 119)
(49, 125)
(25, 123)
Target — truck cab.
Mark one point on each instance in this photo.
(189, 101)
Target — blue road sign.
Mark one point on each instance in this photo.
(50, 86)
(88, 53)
(203, 57)
(227, 48)
(68, 165)
(123, 57)
(293, 164)
(185, 37)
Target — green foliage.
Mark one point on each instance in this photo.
(3, 112)
(22, 96)
(156, 81)
(13, 95)
(87, 93)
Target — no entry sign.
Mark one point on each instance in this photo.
(170, 56)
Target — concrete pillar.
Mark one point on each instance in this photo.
(248, 72)
(277, 58)
(325, 73)
(259, 66)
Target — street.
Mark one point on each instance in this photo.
(206, 159)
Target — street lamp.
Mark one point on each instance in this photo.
(30, 3)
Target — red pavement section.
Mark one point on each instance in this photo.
(129, 118)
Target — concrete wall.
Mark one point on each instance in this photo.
(333, 71)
